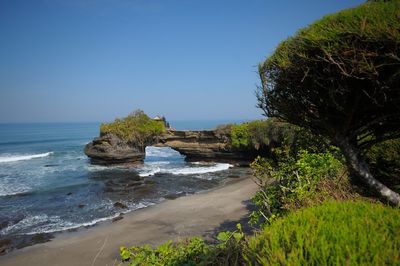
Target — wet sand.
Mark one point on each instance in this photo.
(195, 215)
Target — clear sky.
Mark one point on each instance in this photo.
(94, 60)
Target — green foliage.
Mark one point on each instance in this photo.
(240, 136)
(272, 135)
(334, 233)
(339, 76)
(193, 251)
(136, 127)
(190, 252)
(295, 183)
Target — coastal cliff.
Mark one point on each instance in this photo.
(204, 145)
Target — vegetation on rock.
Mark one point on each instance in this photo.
(136, 127)
(271, 134)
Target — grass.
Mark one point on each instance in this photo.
(334, 233)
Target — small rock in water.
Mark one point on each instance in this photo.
(50, 165)
(134, 183)
(108, 189)
(69, 193)
(81, 205)
(120, 205)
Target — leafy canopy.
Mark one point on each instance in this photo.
(339, 76)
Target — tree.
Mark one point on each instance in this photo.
(340, 77)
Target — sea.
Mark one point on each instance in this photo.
(48, 185)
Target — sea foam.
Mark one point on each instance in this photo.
(15, 158)
(43, 223)
(211, 168)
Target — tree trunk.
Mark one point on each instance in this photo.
(360, 167)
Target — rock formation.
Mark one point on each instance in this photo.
(110, 149)
(205, 145)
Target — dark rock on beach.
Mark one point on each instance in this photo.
(5, 244)
(119, 217)
(21, 241)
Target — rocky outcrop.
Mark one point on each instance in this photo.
(205, 145)
(110, 149)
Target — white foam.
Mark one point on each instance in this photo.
(162, 152)
(150, 170)
(95, 168)
(50, 224)
(200, 170)
(15, 158)
(5, 192)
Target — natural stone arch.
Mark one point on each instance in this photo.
(204, 145)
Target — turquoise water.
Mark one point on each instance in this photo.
(48, 185)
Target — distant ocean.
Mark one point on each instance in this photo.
(48, 185)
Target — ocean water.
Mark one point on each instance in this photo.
(47, 184)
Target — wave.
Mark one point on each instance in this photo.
(50, 224)
(163, 152)
(200, 170)
(186, 170)
(14, 193)
(99, 168)
(150, 172)
(15, 158)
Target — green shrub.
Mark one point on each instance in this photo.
(334, 233)
(136, 127)
(240, 136)
(295, 183)
(193, 251)
(190, 252)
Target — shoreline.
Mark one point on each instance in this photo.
(200, 214)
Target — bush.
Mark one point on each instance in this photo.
(136, 127)
(193, 251)
(295, 183)
(334, 233)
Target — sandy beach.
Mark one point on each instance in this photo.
(196, 215)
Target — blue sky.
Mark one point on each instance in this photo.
(94, 60)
